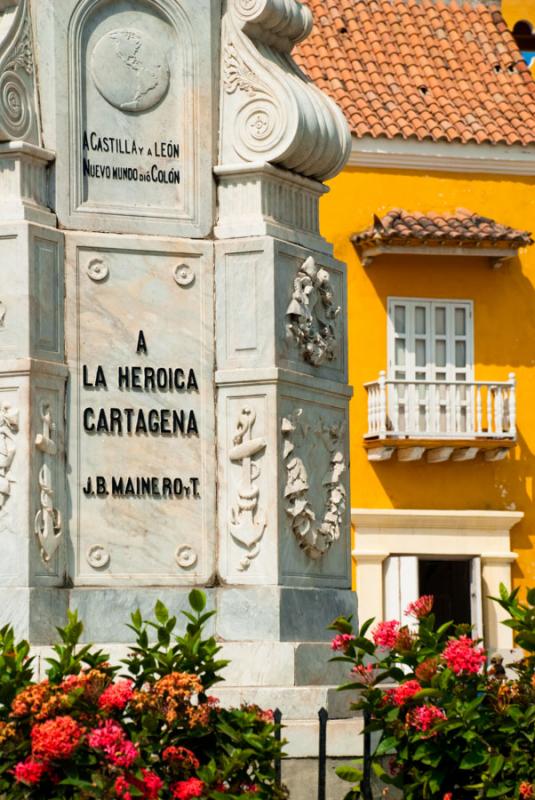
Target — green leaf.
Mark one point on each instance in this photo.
(161, 613)
(349, 774)
(499, 790)
(386, 746)
(474, 758)
(197, 600)
(495, 765)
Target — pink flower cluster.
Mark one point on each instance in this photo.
(385, 634)
(424, 717)
(112, 740)
(116, 696)
(342, 642)
(464, 655)
(420, 608)
(403, 693)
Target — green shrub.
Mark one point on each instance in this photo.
(152, 732)
(448, 727)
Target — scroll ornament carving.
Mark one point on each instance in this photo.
(314, 537)
(48, 521)
(311, 315)
(9, 427)
(247, 521)
(18, 115)
(271, 112)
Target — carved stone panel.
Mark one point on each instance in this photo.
(142, 443)
(247, 503)
(31, 317)
(137, 82)
(311, 313)
(314, 480)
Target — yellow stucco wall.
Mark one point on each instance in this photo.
(504, 337)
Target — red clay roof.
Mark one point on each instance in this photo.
(463, 229)
(446, 71)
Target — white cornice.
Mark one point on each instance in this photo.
(410, 154)
(434, 518)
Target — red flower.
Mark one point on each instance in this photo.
(342, 642)
(185, 790)
(421, 607)
(464, 655)
(152, 785)
(112, 740)
(526, 790)
(182, 756)
(121, 788)
(424, 717)
(29, 771)
(116, 696)
(56, 738)
(448, 796)
(385, 634)
(403, 693)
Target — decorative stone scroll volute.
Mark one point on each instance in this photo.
(18, 108)
(271, 112)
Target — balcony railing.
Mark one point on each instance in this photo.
(455, 410)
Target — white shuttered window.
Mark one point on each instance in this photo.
(430, 352)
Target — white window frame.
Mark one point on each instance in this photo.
(401, 587)
(431, 369)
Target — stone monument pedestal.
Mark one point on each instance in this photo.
(173, 342)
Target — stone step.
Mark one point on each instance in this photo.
(295, 702)
(269, 664)
(344, 738)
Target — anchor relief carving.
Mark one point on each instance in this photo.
(313, 536)
(247, 521)
(311, 315)
(9, 427)
(48, 522)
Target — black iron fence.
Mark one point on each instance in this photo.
(323, 720)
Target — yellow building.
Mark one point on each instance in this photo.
(432, 216)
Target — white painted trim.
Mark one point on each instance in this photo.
(386, 534)
(411, 154)
(418, 518)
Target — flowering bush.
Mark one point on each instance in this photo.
(153, 733)
(447, 727)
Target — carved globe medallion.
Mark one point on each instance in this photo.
(129, 70)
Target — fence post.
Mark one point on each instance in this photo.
(277, 719)
(323, 716)
(366, 785)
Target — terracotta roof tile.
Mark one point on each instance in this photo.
(427, 69)
(462, 227)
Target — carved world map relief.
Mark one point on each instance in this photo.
(129, 70)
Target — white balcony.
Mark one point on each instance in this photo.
(444, 419)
